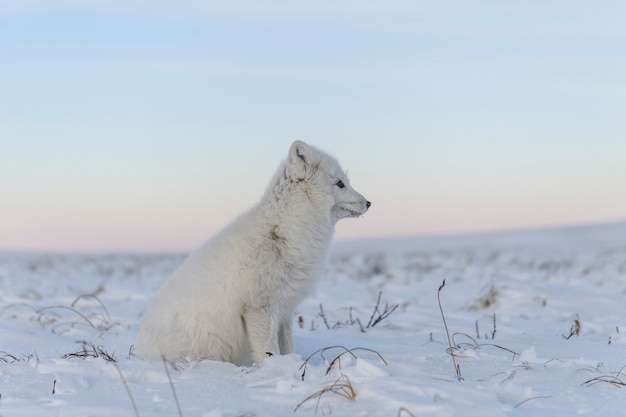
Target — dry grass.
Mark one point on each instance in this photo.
(454, 347)
(473, 344)
(93, 296)
(378, 315)
(493, 330)
(574, 330)
(488, 299)
(615, 379)
(6, 357)
(337, 359)
(340, 386)
(57, 316)
(607, 379)
(90, 350)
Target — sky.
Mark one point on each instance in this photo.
(141, 126)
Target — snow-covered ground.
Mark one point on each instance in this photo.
(537, 321)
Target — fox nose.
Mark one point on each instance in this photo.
(368, 204)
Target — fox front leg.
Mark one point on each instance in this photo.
(262, 331)
(285, 337)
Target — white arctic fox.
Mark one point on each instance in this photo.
(233, 299)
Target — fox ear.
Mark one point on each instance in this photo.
(301, 158)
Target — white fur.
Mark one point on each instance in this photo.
(233, 299)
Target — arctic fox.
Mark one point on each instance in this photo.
(233, 299)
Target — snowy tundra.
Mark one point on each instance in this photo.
(233, 299)
(537, 320)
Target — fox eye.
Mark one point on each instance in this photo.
(340, 184)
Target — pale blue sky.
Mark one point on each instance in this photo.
(135, 125)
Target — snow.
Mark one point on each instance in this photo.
(554, 348)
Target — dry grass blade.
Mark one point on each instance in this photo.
(457, 369)
(8, 358)
(404, 410)
(323, 316)
(95, 298)
(41, 310)
(530, 399)
(475, 345)
(130, 394)
(515, 354)
(169, 377)
(14, 305)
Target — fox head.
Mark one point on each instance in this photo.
(323, 178)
